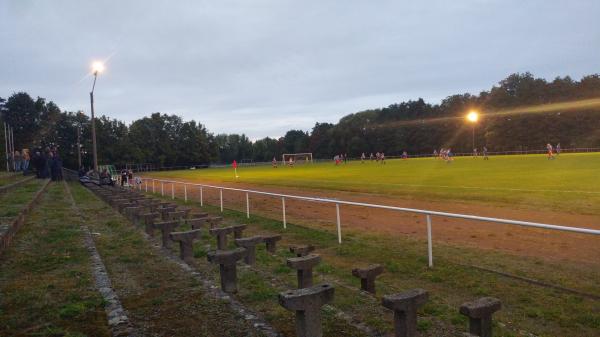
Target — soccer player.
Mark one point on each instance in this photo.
(435, 153)
(557, 149)
(371, 157)
(485, 153)
(291, 162)
(362, 158)
(382, 158)
(404, 155)
(274, 162)
(550, 152)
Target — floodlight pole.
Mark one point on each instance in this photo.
(94, 153)
(473, 139)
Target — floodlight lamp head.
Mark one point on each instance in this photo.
(472, 116)
(97, 67)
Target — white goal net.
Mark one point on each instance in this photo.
(296, 158)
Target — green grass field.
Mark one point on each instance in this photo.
(569, 182)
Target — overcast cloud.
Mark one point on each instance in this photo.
(262, 67)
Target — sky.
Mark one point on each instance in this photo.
(262, 67)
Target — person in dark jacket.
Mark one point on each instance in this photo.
(56, 167)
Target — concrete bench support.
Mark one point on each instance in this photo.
(405, 307)
(121, 206)
(132, 213)
(166, 227)
(215, 221)
(197, 223)
(115, 201)
(186, 243)
(164, 211)
(221, 234)
(186, 211)
(480, 315)
(250, 245)
(227, 259)
(148, 219)
(307, 304)
(271, 242)
(367, 276)
(238, 231)
(177, 215)
(198, 215)
(304, 266)
(302, 250)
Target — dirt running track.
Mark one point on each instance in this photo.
(542, 243)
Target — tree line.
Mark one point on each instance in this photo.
(511, 120)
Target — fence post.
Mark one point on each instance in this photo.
(429, 242)
(201, 199)
(162, 188)
(247, 206)
(173, 191)
(339, 226)
(185, 192)
(283, 210)
(221, 197)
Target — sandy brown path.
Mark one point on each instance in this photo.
(547, 244)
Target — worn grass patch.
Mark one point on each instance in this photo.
(12, 202)
(46, 283)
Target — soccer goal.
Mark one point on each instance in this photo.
(297, 158)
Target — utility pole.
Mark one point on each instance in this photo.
(6, 146)
(79, 146)
(12, 146)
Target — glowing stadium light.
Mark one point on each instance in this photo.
(472, 116)
(97, 67)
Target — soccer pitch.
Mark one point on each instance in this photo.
(569, 182)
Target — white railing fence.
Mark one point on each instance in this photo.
(152, 183)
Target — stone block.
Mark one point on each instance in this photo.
(405, 306)
(304, 266)
(367, 276)
(307, 304)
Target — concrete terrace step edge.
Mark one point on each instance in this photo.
(7, 232)
(117, 318)
(9, 187)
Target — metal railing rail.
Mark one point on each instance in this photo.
(337, 204)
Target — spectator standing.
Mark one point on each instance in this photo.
(123, 177)
(46, 162)
(56, 167)
(50, 164)
(25, 161)
(17, 157)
